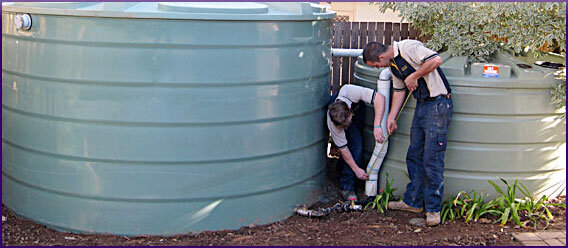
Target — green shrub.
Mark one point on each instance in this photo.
(558, 92)
(531, 210)
(473, 205)
(381, 201)
(508, 205)
(469, 206)
(479, 29)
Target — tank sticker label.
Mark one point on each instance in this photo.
(491, 71)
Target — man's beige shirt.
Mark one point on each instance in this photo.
(349, 94)
(415, 53)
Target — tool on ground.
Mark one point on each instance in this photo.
(340, 207)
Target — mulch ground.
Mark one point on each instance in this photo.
(345, 229)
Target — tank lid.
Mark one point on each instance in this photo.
(178, 10)
(216, 7)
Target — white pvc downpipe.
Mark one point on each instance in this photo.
(383, 87)
(341, 52)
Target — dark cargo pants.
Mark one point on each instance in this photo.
(354, 144)
(425, 156)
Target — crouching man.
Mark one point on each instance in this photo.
(347, 137)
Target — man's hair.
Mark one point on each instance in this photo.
(372, 51)
(339, 113)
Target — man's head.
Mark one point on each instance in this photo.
(340, 114)
(377, 55)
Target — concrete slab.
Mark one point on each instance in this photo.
(533, 243)
(551, 235)
(553, 242)
(526, 236)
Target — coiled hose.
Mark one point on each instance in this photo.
(338, 208)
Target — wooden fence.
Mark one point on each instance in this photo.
(355, 35)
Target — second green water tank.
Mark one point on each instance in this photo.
(504, 125)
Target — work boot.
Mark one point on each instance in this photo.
(432, 219)
(400, 205)
(348, 195)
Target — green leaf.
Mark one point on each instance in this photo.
(444, 215)
(457, 197)
(515, 215)
(470, 212)
(492, 212)
(513, 191)
(525, 191)
(462, 212)
(497, 188)
(548, 213)
(505, 216)
(370, 205)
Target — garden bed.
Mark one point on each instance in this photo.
(354, 228)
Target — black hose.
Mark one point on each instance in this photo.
(338, 207)
(365, 201)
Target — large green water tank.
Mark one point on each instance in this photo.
(163, 118)
(503, 126)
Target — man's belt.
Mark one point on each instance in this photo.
(429, 99)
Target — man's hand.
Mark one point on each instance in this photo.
(360, 173)
(411, 82)
(348, 158)
(378, 133)
(391, 126)
(429, 66)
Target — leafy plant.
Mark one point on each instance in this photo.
(508, 205)
(536, 209)
(513, 208)
(484, 208)
(470, 206)
(449, 208)
(473, 205)
(476, 206)
(479, 29)
(558, 92)
(381, 201)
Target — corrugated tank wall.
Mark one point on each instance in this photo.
(147, 118)
(502, 126)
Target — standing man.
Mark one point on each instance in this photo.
(347, 137)
(416, 68)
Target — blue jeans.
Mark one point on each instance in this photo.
(354, 144)
(425, 156)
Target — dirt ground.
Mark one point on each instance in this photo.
(346, 229)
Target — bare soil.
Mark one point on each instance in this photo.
(346, 229)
